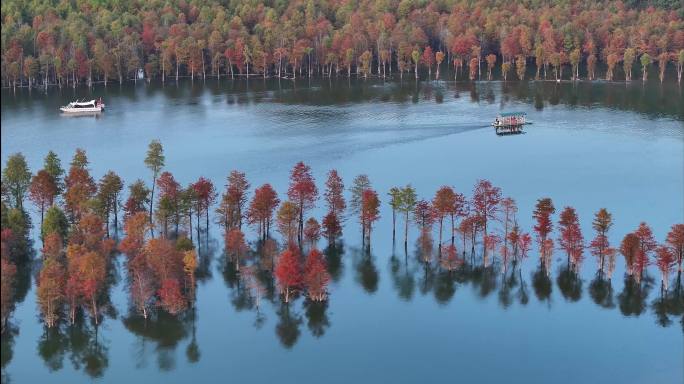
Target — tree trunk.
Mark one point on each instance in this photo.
(154, 182)
(394, 224)
(406, 225)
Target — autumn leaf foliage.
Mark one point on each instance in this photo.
(316, 277)
(289, 272)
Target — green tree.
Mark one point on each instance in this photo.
(53, 166)
(628, 61)
(395, 202)
(108, 196)
(407, 203)
(154, 162)
(16, 180)
(55, 222)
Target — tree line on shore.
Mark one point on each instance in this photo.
(84, 42)
(79, 234)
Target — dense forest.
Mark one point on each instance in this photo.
(166, 225)
(65, 43)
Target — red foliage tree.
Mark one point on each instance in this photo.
(302, 192)
(665, 260)
(42, 191)
(171, 297)
(312, 232)
(525, 244)
(370, 211)
(571, 239)
(629, 247)
(331, 227)
(334, 198)
(491, 243)
(80, 188)
(486, 199)
(316, 277)
(135, 227)
(232, 205)
(600, 246)
(206, 195)
(542, 215)
(261, 208)
(675, 238)
(51, 282)
(8, 272)
(236, 246)
(288, 272)
(443, 204)
(647, 245)
(424, 215)
(450, 260)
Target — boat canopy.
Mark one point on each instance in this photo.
(83, 103)
(508, 114)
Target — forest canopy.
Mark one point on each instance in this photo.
(63, 42)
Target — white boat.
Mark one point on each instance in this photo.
(84, 106)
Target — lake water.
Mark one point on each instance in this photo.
(389, 317)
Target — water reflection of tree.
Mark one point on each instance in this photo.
(483, 279)
(366, 271)
(509, 281)
(7, 348)
(445, 286)
(402, 277)
(317, 317)
(205, 256)
(569, 283)
(81, 342)
(164, 332)
(333, 255)
(669, 304)
(287, 328)
(601, 292)
(632, 299)
(542, 284)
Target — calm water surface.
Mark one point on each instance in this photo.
(389, 318)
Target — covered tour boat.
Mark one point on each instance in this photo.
(84, 106)
(510, 123)
(510, 119)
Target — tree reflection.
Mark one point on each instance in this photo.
(542, 284)
(287, 328)
(7, 348)
(164, 331)
(445, 286)
(484, 279)
(670, 304)
(366, 271)
(333, 255)
(632, 299)
(402, 277)
(317, 317)
(569, 283)
(601, 292)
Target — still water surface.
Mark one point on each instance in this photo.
(389, 318)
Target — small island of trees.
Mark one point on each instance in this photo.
(165, 226)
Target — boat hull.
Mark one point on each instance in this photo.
(81, 110)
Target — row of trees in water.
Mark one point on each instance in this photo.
(79, 232)
(76, 43)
